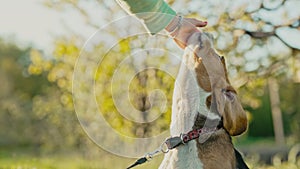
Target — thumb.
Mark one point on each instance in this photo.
(197, 22)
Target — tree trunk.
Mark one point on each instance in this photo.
(276, 111)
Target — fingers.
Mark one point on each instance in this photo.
(201, 24)
(188, 27)
(197, 22)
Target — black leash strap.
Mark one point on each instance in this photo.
(138, 162)
(162, 149)
(167, 145)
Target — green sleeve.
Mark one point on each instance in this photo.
(156, 14)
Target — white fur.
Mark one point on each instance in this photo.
(188, 100)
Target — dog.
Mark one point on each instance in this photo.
(203, 98)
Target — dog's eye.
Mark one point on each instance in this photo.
(229, 94)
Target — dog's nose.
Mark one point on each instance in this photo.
(206, 37)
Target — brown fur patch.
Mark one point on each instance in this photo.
(217, 152)
(202, 75)
(208, 102)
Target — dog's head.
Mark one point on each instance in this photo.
(211, 74)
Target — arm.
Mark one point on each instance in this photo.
(160, 16)
(156, 13)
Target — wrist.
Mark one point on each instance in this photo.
(173, 24)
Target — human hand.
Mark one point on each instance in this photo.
(182, 28)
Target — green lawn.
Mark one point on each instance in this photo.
(29, 159)
(26, 158)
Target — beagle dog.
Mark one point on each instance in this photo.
(204, 98)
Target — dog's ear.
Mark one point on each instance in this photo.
(229, 107)
(234, 116)
(226, 103)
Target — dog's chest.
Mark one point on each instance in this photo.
(188, 100)
(183, 157)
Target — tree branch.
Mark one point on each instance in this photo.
(260, 35)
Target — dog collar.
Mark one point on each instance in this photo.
(174, 142)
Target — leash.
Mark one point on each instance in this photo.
(173, 142)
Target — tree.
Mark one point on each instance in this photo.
(32, 109)
(252, 35)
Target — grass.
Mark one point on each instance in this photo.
(27, 158)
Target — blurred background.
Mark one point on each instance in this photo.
(40, 41)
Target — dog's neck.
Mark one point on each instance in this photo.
(189, 98)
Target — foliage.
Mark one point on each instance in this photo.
(36, 106)
(147, 87)
(33, 111)
(254, 47)
(106, 161)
